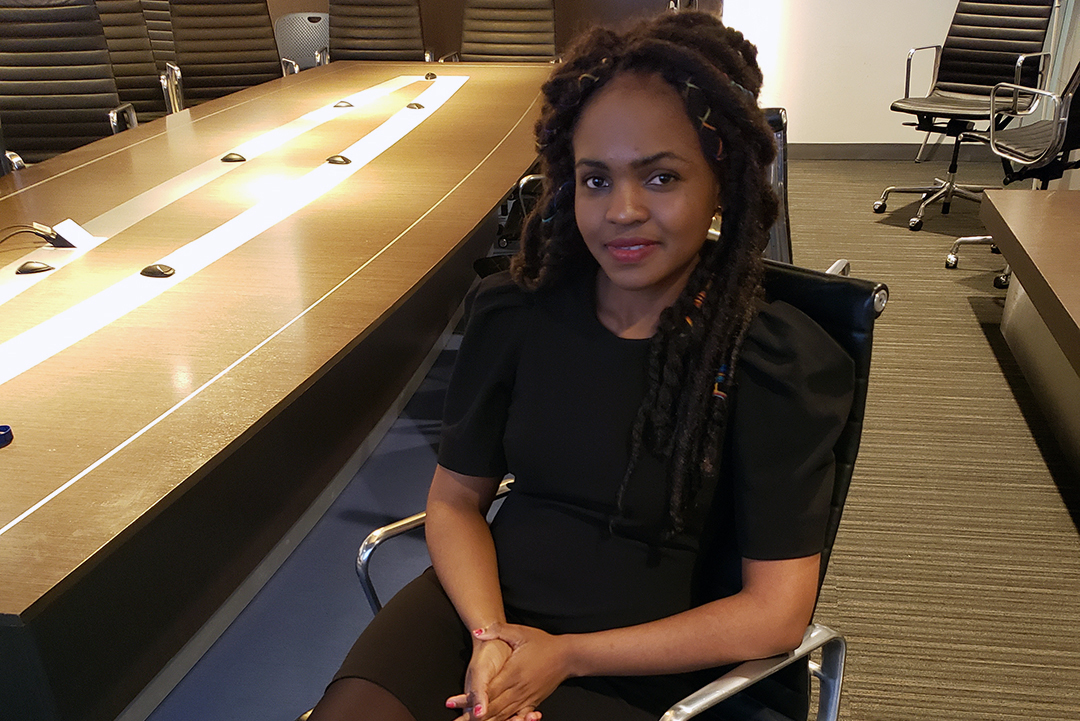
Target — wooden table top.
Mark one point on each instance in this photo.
(1038, 231)
(110, 427)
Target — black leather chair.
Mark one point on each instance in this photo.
(507, 31)
(1040, 151)
(132, 56)
(847, 309)
(376, 30)
(779, 247)
(57, 89)
(223, 46)
(158, 18)
(988, 43)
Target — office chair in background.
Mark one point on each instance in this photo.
(1038, 151)
(507, 31)
(988, 43)
(57, 90)
(846, 308)
(158, 19)
(376, 30)
(222, 47)
(300, 38)
(132, 56)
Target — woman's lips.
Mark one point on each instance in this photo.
(632, 250)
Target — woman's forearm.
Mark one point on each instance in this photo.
(461, 547)
(767, 618)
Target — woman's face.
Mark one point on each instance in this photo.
(644, 192)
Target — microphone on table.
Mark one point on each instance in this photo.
(42, 231)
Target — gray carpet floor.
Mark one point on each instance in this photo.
(956, 576)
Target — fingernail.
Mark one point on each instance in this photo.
(478, 710)
(478, 632)
(449, 704)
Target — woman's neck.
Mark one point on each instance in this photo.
(633, 314)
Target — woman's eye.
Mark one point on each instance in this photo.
(594, 183)
(662, 178)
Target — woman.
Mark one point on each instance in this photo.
(655, 532)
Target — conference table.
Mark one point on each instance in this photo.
(1037, 231)
(253, 283)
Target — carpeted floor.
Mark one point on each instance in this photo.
(956, 576)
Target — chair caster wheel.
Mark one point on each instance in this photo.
(915, 224)
(951, 261)
(1001, 281)
(879, 206)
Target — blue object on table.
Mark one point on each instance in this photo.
(5, 436)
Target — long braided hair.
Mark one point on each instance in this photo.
(692, 355)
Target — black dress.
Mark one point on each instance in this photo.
(544, 391)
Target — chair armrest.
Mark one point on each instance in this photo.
(130, 119)
(1023, 58)
(451, 57)
(1060, 123)
(14, 160)
(830, 673)
(377, 537)
(907, 72)
(322, 56)
(289, 67)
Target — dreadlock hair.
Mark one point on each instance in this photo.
(692, 355)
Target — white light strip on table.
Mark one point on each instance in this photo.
(142, 206)
(68, 327)
(145, 429)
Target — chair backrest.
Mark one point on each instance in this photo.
(985, 40)
(779, 247)
(223, 46)
(158, 18)
(56, 80)
(846, 309)
(1070, 103)
(376, 30)
(300, 36)
(508, 30)
(132, 56)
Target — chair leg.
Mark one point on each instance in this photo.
(952, 259)
(943, 189)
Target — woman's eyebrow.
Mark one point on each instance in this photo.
(638, 163)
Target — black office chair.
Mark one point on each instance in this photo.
(223, 46)
(1038, 151)
(158, 18)
(507, 31)
(132, 56)
(57, 89)
(376, 30)
(846, 308)
(988, 43)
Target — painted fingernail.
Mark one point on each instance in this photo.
(449, 704)
(478, 632)
(478, 710)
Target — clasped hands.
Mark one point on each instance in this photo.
(513, 668)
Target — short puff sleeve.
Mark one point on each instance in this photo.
(795, 387)
(482, 382)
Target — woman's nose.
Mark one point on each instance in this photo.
(627, 205)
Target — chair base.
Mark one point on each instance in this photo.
(952, 260)
(943, 189)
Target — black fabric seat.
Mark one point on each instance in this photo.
(508, 31)
(56, 81)
(132, 56)
(988, 43)
(376, 30)
(223, 47)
